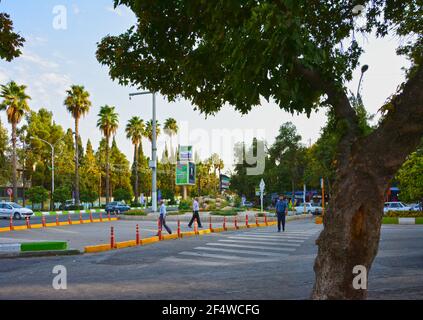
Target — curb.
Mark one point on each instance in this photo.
(32, 254)
(54, 224)
(402, 220)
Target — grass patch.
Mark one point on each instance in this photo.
(43, 246)
(390, 220)
(419, 220)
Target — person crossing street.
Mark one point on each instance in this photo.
(163, 218)
(281, 211)
(195, 209)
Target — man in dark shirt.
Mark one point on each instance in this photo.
(281, 211)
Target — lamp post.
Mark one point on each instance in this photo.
(153, 162)
(364, 68)
(52, 146)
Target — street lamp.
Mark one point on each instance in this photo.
(153, 162)
(52, 146)
(364, 68)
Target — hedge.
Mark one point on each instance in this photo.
(404, 214)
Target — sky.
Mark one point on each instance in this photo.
(60, 52)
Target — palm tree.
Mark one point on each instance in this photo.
(108, 123)
(15, 102)
(171, 128)
(149, 130)
(135, 131)
(78, 104)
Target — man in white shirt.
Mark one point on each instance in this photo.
(163, 217)
(195, 209)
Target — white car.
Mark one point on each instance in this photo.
(18, 212)
(310, 208)
(395, 206)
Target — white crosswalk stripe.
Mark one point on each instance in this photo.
(267, 243)
(267, 239)
(259, 253)
(247, 246)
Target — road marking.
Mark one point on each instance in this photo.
(59, 230)
(249, 247)
(265, 239)
(264, 242)
(225, 257)
(252, 252)
(275, 237)
(195, 261)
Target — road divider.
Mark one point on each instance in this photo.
(44, 224)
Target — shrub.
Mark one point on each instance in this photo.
(135, 212)
(232, 212)
(185, 204)
(88, 196)
(61, 195)
(122, 195)
(37, 194)
(404, 214)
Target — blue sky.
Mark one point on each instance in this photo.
(54, 59)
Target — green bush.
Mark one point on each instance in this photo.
(135, 212)
(88, 196)
(224, 212)
(61, 195)
(185, 204)
(404, 214)
(37, 194)
(122, 195)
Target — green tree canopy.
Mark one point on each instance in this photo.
(10, 41)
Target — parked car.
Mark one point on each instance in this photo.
(117, 206)
(310, 208)
(395, 206)
(67, 205)
(415, 207)
(18, 212)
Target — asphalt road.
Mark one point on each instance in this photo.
(244, 264)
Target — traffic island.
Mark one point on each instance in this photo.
(35, 249)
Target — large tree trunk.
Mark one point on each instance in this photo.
(14, 164)
(365, 167)
(351, 235)
(76, 162)
(107, 172)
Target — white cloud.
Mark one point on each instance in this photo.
(76, 9)
(41, 62)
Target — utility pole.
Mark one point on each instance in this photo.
(153, 161)
(52, 147)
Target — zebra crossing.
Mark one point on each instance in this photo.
(249, 246)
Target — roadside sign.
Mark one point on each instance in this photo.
(185, 173)
(9, 191)
(225, 182)
(262, 185)
(185, 153)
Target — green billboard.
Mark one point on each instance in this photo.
(185, 173)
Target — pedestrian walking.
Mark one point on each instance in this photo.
(195, 215)
(281, 211)
(163, 218)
